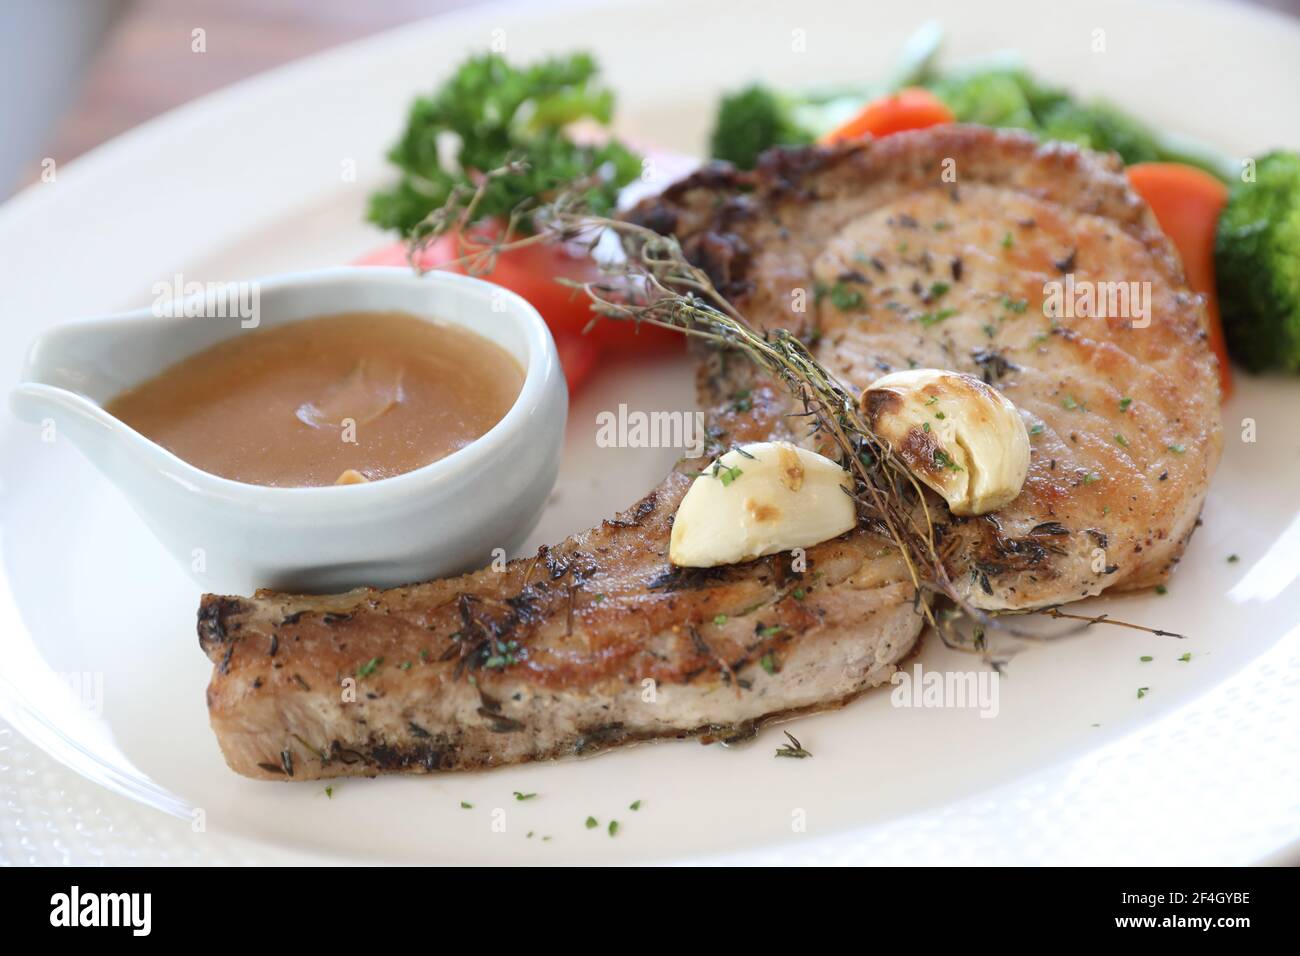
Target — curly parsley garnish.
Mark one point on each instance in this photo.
(490, 114)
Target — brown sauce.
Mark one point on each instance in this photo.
(338, 399)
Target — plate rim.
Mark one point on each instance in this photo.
(28, 201)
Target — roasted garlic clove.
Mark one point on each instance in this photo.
(761, 499)
(956, 434)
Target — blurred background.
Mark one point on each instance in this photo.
(75, 73)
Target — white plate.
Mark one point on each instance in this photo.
(1075, 768)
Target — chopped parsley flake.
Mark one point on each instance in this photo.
(524, 796)
(369, 667)
(842, 296)
(934, 318)
(1124, 403)
(1121, 440)
(1037, 429)
(720, 619)
(1186, 657)
(941, 458)
(613, 827)
(505, 655)
(1177, 449)
(1142, 692)
(635, 805)
(768, 663)
(727, 475)
(844, 299)
(466, 806)
(592, 823)
(1146, 659)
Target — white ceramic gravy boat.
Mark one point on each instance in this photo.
(234, 537)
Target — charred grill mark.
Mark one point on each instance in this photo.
(213, 613)
(700, 644)
(345, 755)
(428, 757)
(997, 553)
(557, 565)
(993, 365)
(725, 257)
(673, 578)
(492, 639)
(473, 639)
(500, 724)
(527, 604)
(729, 734)
(783, 171)
(1050, 528)
(598, 738)
(660, 217)
(642, 510)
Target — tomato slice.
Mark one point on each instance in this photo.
(578, 357)
(531, 271)
(911, 108)
(1187, 202)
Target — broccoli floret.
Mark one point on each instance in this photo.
(1257, 265)
(1003, 96)
(996, 97)
(1102, 127)
(753, 120)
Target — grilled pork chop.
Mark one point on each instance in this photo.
(884, 260)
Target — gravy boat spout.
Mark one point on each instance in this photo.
(443, 518)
